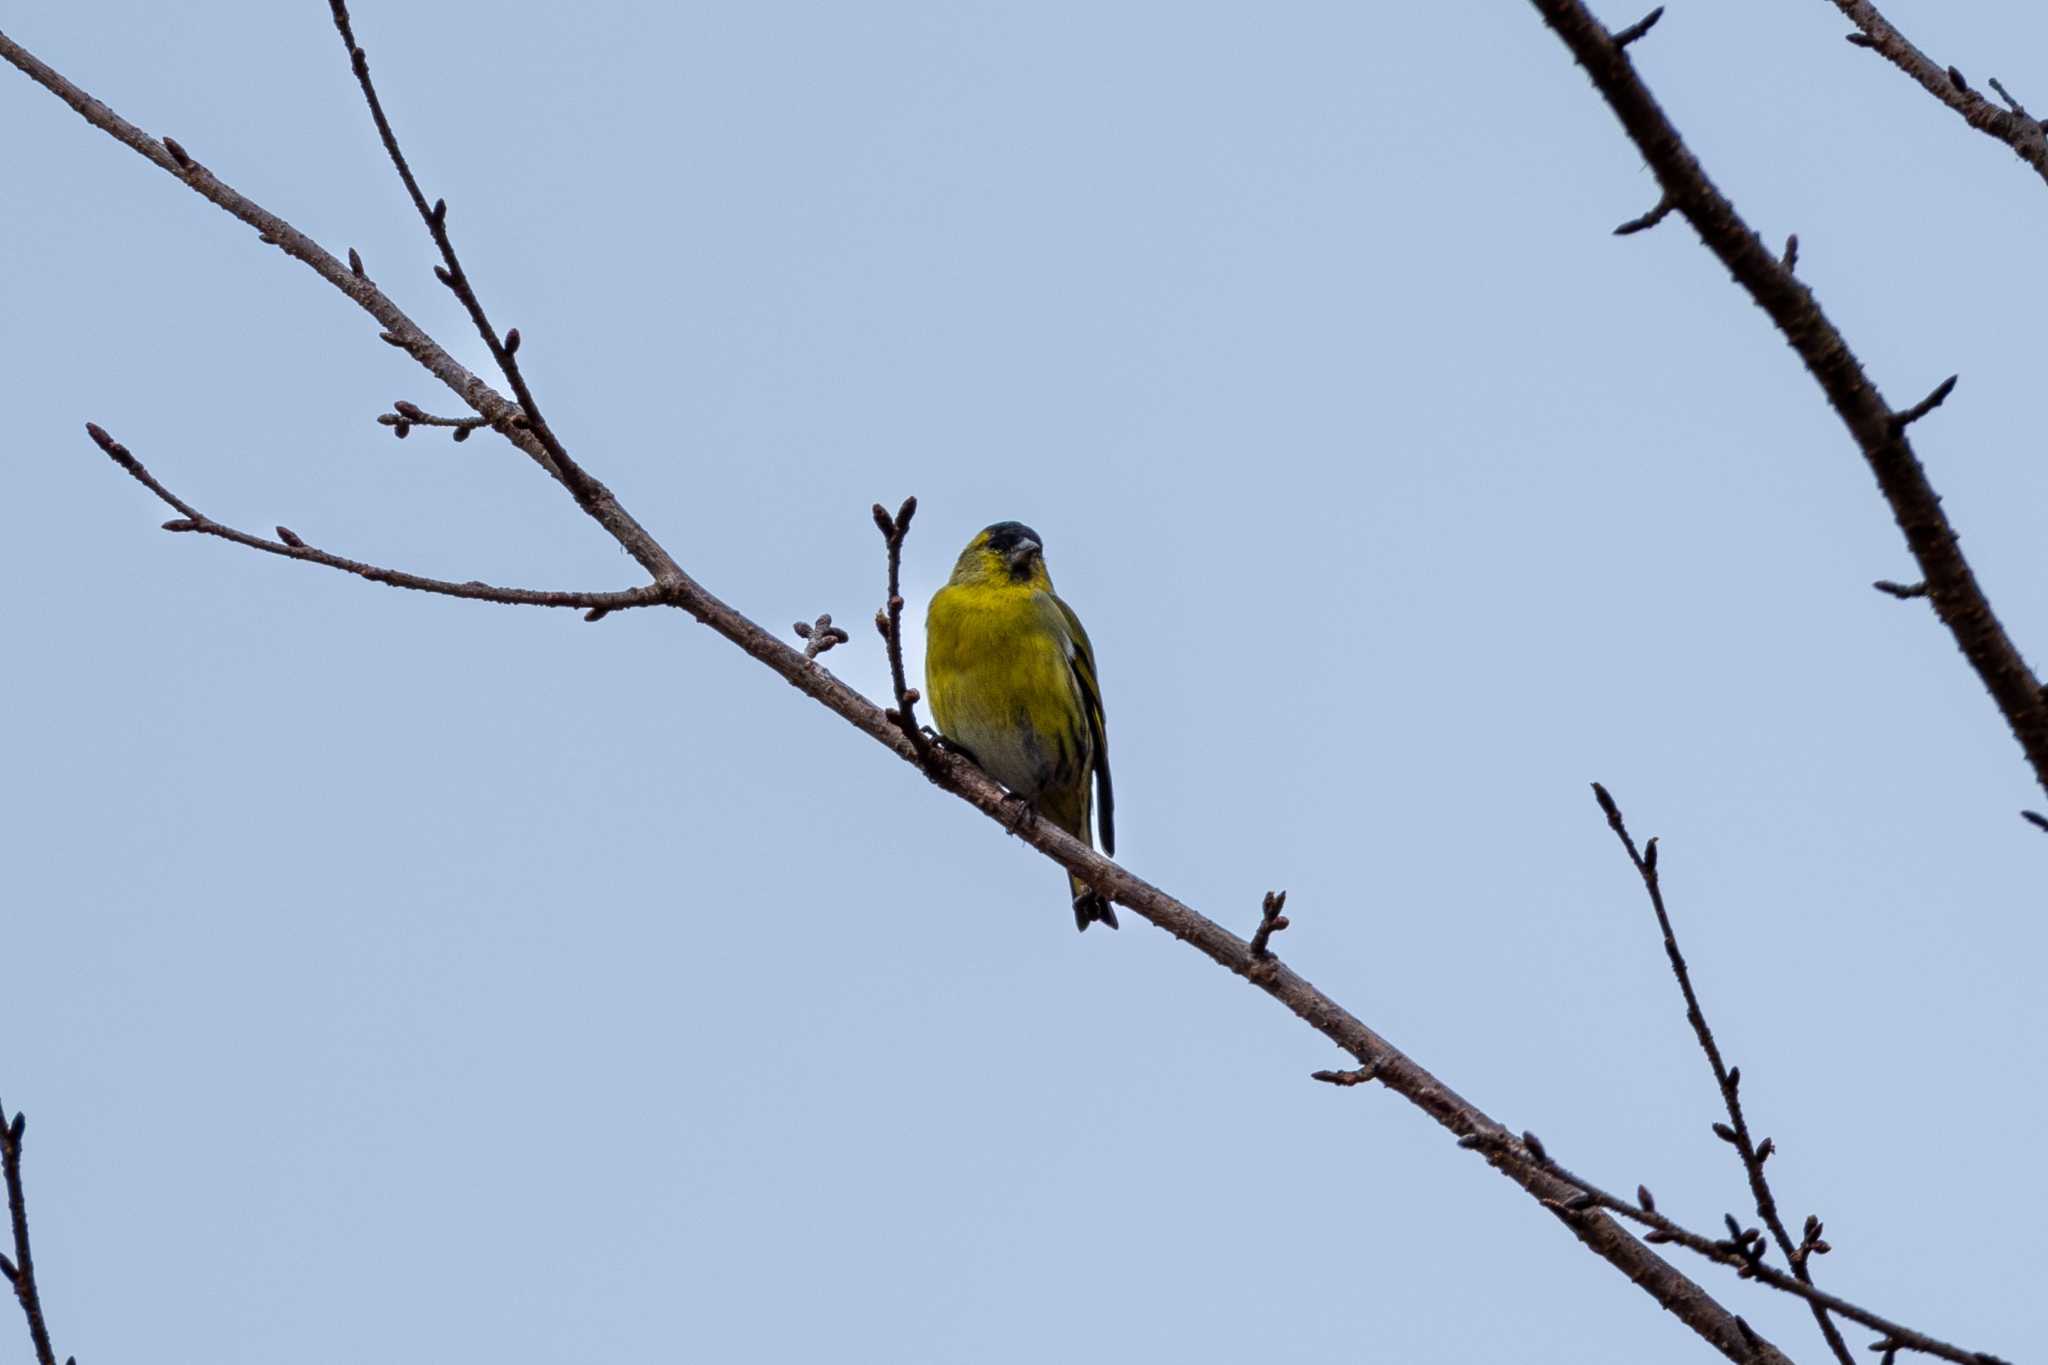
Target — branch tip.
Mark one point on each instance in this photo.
(889, 622)
(1342, 1079)
(1271, 922)
(1648, 220)
(1638, 28)
(1902, 420)
(821, 636)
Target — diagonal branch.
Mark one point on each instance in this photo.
(1730, 1251)
(504, 349)
(20, 1272)
(290, 546)
(1729, 1079)
(399, 329)
(1951, 585)
(2010, 125)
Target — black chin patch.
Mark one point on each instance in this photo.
(1006, 536)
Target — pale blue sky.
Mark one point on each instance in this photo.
(399, 978)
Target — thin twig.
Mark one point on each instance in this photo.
(1656, 215)
(1728, 1079)
(1624, 36)
(1355, 1076)
(2011, 126)
(1957, 597)
(1902, 420)
(1271, 922)
(20, 1272)
(504, 349)
(1730, 1251)
(349, 279)
(289, 545)
(889, 621)
(404, 416)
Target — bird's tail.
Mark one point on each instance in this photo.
(1090, 907)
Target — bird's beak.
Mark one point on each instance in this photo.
(1023, 554)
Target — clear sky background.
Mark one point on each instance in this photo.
(389, 977)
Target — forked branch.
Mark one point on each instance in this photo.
(2010, 125)
(291, 546)
(20, 1270)
(1728, 1079)
(1879, 432)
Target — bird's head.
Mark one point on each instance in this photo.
(1007, 552)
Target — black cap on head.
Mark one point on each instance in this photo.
(1006, 536)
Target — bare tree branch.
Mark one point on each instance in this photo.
(20, 1272)
(889, 622)
(504, 349)
(1729, 1079)
(1522, 1161)
(291, 546)
(1664, 1282)
(2010, 125)
(404, 416)
(1877, 429)
(401, 330)
(1740, 1250)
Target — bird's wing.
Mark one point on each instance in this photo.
(1081, 658)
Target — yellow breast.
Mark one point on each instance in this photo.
(1001, 685)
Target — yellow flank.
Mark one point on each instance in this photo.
(1011, 680)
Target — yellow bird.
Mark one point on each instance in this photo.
(1011, 678)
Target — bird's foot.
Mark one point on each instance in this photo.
(1018, 813)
